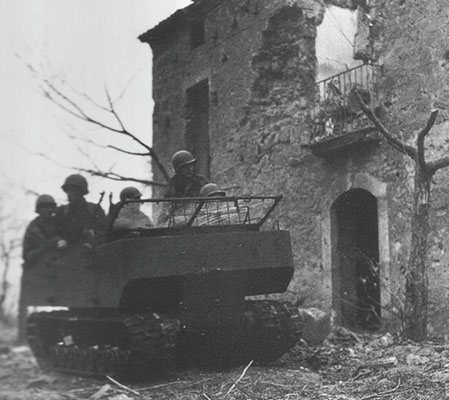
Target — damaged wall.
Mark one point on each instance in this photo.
(411, 43)
(233, 37)
(259, 60)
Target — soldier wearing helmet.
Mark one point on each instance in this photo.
(185, 182)
(215, 212)
(211, 190)
(130, 215)
(41, 232)
(79, 221)
(40, 238)
(130, 193)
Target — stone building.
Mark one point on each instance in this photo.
(235, 82)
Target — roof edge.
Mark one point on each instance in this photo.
(165, 27)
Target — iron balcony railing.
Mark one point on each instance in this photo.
(337, 111)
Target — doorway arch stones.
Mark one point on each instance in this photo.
(379, 190)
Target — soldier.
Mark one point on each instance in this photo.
(211, 190)
(130, 215)
(41, 234)
(79, 221)
(185, 182)
(40, 238)
(214, 213)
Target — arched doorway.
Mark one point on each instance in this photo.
(355, 259)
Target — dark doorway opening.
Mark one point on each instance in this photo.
(355, 258)
(197, 125)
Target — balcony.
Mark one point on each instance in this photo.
(337, 122)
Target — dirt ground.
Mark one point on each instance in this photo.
(346, 366)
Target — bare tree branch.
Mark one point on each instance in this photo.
(421, 137)
(116, 177)
(79, 111)
(87, 97)
(127, 133)
(126, 87)
(114, 113)
(87, 141)
(128, 152)
(69, 105)
(123, 131)
(96, 171)
(29, 191)
(48, 158)
(395, 142)
(434, 166)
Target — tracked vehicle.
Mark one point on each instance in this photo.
(147, 300)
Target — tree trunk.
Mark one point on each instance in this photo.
(416, 283)
(4, 286)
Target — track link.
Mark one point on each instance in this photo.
(138, 346)
(267, 330)
(97, 343)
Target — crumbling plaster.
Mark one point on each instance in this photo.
(261, 64)
(410, 41)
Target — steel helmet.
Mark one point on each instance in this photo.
(130, 192)
(44, 199)
(181, 158)
(211, 189)
(76, 180)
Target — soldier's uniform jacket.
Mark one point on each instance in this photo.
(134, 218)
(74, 221)
(185, 187)
(39, 238)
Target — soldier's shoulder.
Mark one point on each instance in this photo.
(174, 179)
(201, 178)
(61, 212)
(37, 225)
(33, 223)
(94, 207)
(61, 209)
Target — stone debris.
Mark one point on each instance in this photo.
(317, 325)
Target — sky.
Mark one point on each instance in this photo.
(335, 42)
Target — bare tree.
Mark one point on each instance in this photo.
(10, 242)
(416, 282)
(106, 117)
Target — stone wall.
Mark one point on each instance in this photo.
(259, 58)
(410, 42)
(230, 59)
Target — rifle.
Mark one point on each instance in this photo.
(89, 232)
